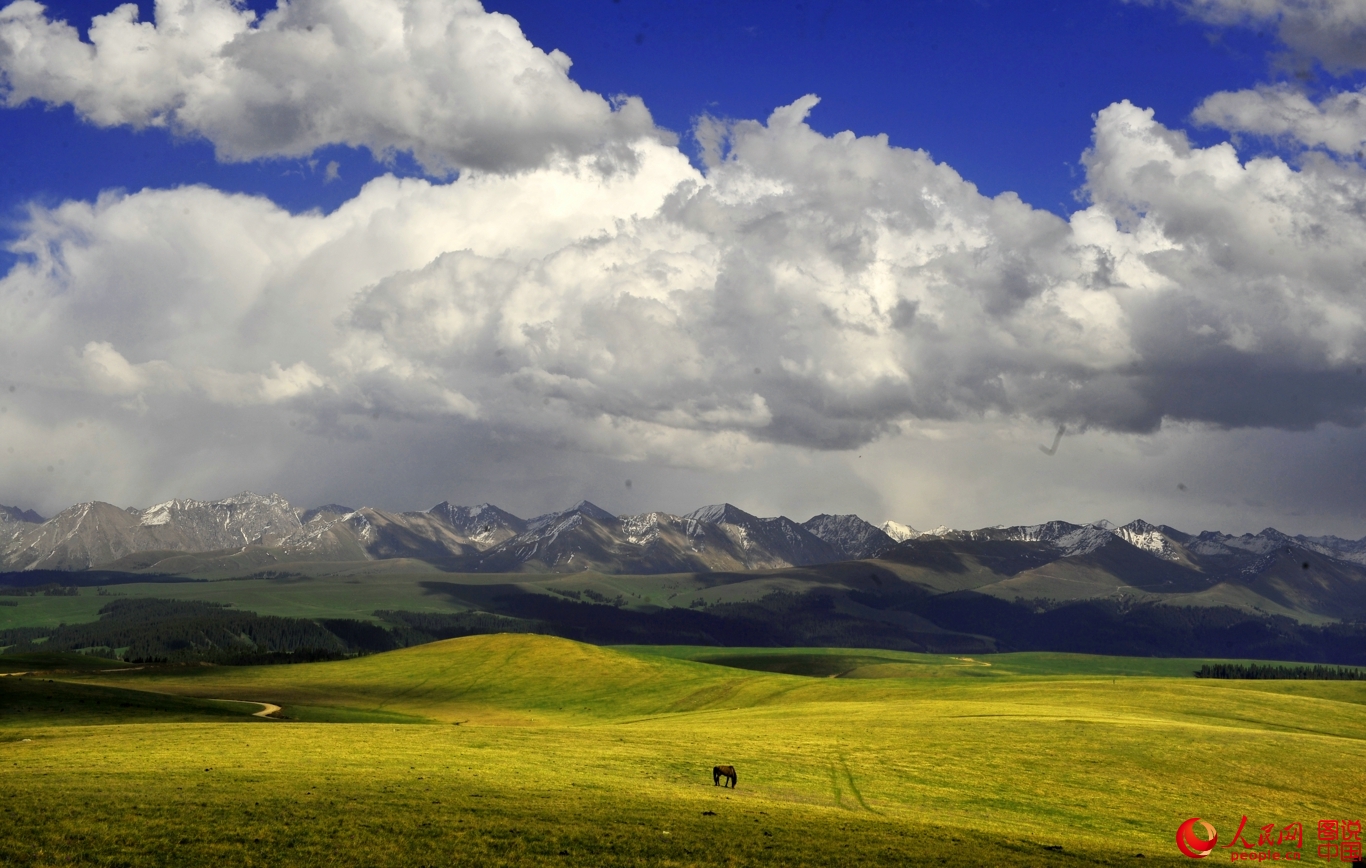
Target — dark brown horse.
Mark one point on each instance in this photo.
(727, 772)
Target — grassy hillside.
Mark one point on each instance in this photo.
(574, 754)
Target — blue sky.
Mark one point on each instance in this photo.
(1002, 91)
(538, 291)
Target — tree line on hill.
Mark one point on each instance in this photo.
(1294, 673)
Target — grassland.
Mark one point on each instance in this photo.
(530, 750)
(343, 595)
(358, 590)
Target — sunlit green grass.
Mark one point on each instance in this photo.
(572, 754)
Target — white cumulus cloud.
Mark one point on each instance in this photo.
(808, 290)
(1337, 123)
(454, 85)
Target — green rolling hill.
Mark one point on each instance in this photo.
(535, 750)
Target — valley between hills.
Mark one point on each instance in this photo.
(252, 577)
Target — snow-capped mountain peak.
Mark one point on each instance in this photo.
(899, 532)
(1150, 538)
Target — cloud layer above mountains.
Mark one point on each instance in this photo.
(583, 289)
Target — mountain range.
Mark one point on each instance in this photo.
(1312, 579)
(253, 529)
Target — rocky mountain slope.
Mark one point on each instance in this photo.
(852, 538)
(374, 534)
(258, 529)
(16, 522)
(766, 542)
(96, 534)
(720, 537)
(484, 525)
(1057, 563)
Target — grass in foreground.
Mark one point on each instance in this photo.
(374, 795)
(574, 755)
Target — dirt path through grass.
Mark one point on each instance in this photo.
(267, 708)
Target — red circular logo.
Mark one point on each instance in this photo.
(1191, 845)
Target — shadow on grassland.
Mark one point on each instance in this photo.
(30, 701)
(968, 622)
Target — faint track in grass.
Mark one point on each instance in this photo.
(840, 780)
(853, 787)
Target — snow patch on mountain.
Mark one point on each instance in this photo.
(484, 525)
(1149, 538)
(157, 515)
(642, 530)
(773, 541)
(1209, 543)
(1072, 540)
(1353, 550)
(583, 508)
(1262, 543)
(1082, 540)
(90, 534)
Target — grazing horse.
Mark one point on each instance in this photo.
(727, 772)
